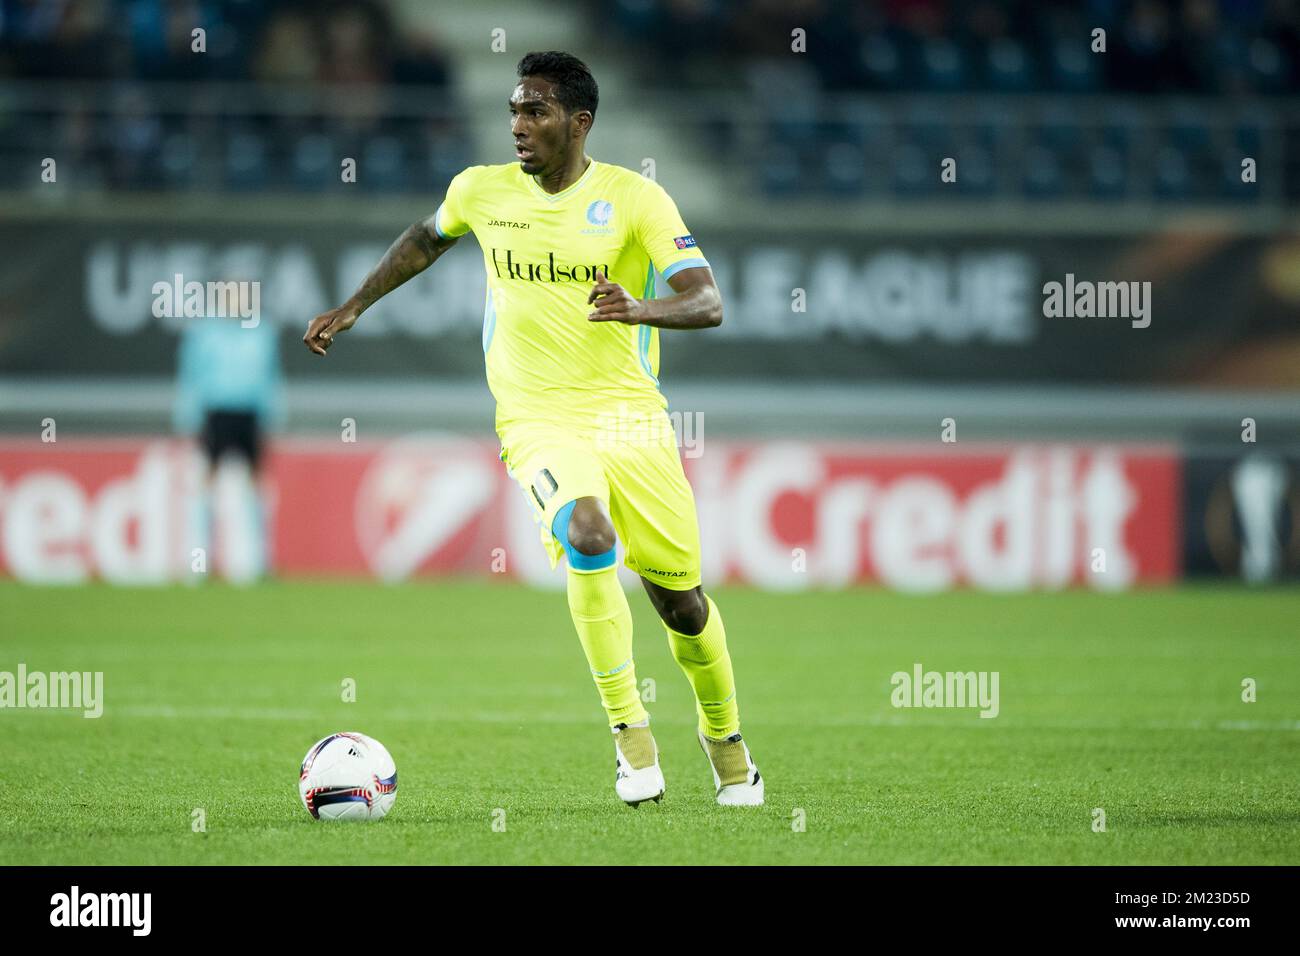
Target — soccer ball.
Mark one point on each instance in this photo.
(348, 777)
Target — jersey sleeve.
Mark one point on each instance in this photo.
(449, 220)
(663, 235)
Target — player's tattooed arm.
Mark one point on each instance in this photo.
(413, 251)
(410, 254)
(697, 303)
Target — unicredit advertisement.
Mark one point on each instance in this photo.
(776, 515)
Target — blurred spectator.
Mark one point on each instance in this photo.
(287, 50)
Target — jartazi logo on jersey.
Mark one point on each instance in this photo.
(508, 267)
(507, 224)
(103, 909)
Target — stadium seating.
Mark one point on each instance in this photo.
(880, 97)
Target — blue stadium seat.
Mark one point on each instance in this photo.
(246, 166)
(1043, 177)
(1249, 138)
(1119, 134)
(845, 169)
(779, 172)
(314, 163)
(916, 171)
(990, 126)
(1007, 66)
(929, 127)
(1269, 69)
(1059, 129)
(1074, 68)
(638, 17)
(976, 173)
(866, 124)
(881, 62)
(445, 157)
(177, 159)
(383, 165)
(1172, 174)
(1187, 129)
(943, 65)
(796, 124)
(1107, 173)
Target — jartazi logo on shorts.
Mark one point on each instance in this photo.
(103, 909)
(667, 574)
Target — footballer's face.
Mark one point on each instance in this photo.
(544, 130)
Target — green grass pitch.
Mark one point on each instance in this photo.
(1130, 703)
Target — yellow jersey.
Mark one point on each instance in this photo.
(546, 362)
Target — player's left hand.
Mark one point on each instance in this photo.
(616, 303)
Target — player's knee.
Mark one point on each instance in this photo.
(591, 541)
(686, 612)
(589, 531)
(586, 535)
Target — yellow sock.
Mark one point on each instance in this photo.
(707, 665)
(604, 624)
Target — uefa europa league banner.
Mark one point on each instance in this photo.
(1178, 307)
(776, 515)
(1243, 515)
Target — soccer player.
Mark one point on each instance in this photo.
(572, 357)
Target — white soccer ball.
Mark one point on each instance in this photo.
(348, 776)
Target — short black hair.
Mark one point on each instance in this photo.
(575, 87)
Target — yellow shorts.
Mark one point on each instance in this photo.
(638, 476)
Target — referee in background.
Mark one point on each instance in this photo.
(228, 396)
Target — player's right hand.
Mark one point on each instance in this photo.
(323, 328)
